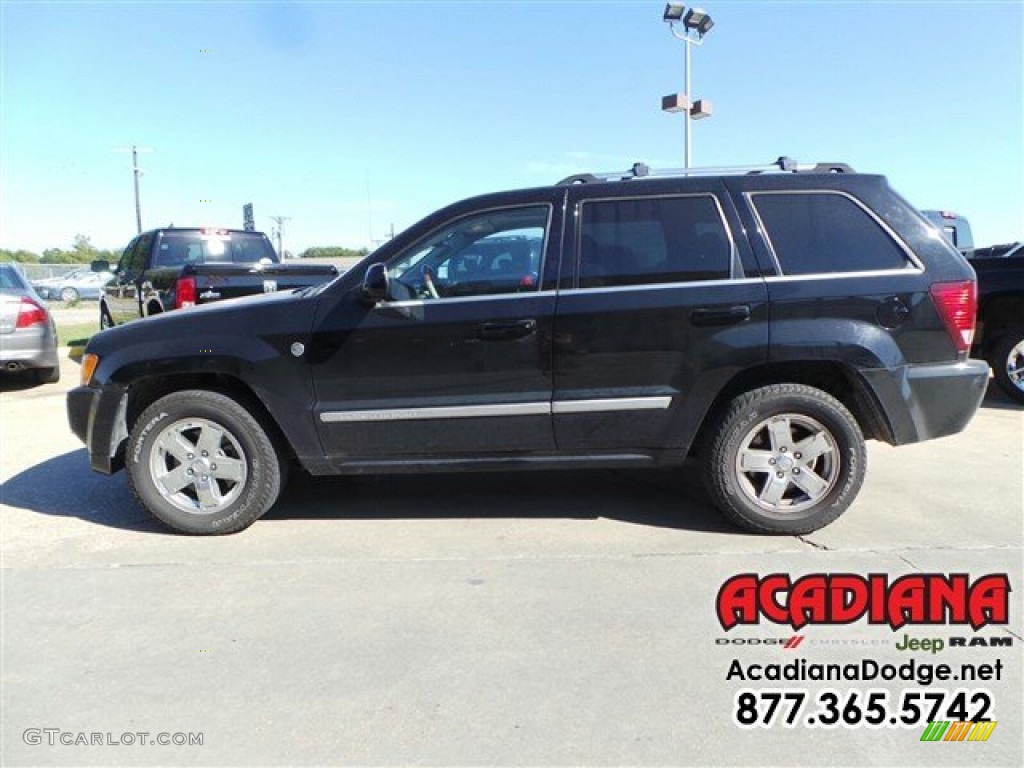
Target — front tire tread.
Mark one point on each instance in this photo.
(263, 485)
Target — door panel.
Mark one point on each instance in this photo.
(425, 377)
(122, 293)
(458, 362)
(661, 319)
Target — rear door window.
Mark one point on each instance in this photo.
(825, 232)
(652, 240)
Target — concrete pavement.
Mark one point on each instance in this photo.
(543, 619)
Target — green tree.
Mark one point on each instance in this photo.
(82, 250)
(56, 256)
(22, 256)
(332, 252)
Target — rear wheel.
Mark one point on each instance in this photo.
(67, 295)
(787, 458)
(1007, 361)
(201, 463)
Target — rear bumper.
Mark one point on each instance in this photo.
(30, 348)
(97, 417)
(923, 402)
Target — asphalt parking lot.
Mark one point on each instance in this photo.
(556, 618)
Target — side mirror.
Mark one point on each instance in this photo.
(375, 283)
(101, 265)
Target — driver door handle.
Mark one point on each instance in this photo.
(505, 330)
(720, 315)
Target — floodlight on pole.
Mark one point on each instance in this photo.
(673, 12)
(697, 19)
(696, 23)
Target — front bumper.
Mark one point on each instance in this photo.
(923, 402)
(97, 417)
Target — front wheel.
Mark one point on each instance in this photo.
(68, 295)
(201, 463)
(786, 458)
(1007, 363)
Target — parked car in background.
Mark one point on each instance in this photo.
(80, 284)
(179, 267)
(28, 336)
(955, 227)
(47, 287)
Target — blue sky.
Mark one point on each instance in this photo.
(351, 117)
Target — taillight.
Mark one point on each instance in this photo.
(185, 293)
(957, 304)
(29, 314)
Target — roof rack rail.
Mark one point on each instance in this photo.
(642, 170)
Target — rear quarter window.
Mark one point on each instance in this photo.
(10, 280)
(825, 232)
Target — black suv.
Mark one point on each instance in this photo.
(765, 321)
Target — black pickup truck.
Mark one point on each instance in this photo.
(179, 267)
(1000, 337)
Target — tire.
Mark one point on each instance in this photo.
(47, 375)
(106, 321)
(759, 437)
(69, 294)
(246, 484)
(1007, 361)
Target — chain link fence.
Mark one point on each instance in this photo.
(36, 272)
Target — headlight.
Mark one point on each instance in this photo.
(89, 363)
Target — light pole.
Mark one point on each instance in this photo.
(696, 23)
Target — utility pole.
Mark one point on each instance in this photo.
(136, 172)
(280, 220)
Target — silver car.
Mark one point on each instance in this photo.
(28, 336)
(80, 284)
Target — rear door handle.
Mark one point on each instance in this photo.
(501, 331)
(720, 315)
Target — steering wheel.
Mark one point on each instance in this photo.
(428, 283)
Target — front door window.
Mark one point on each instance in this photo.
(497, 252)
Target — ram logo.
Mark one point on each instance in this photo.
(269, 286)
